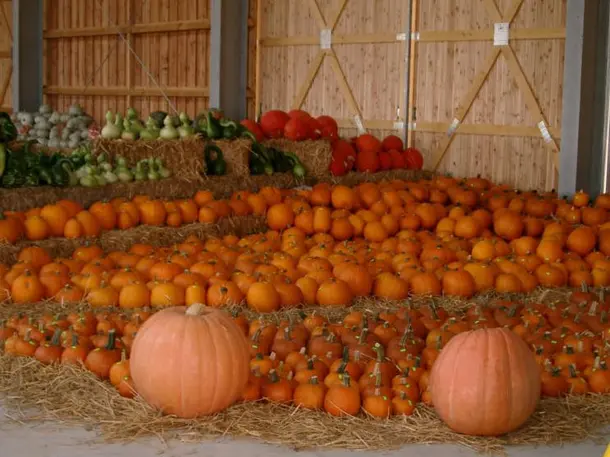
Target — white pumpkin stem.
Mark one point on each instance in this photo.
(196, 309)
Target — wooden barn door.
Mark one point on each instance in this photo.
(487, 91)
(344, 58)
(6, 55)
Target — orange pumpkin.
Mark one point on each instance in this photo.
(202, 361)
(485, 382)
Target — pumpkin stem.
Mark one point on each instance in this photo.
(273, 376)
(596, 364)
(74, 339)
(56, 337)
(345, 357)
(111, 340)
(573, 372)
(593, 309)
(310, 364)
(313, 380)
(378, 348)
(196, 309)
(123, 355)
(346, 379)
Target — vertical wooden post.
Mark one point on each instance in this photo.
(129, 60)
(411, 114)
(27, 54)
(258, 83)
(229, 57)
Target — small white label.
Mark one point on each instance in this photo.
(453, 127)
(544, 131)
(326, 38)
(401, 37)
(359, 124)
(412, 126)
(501, 33)
(415, 36)
(399, 125)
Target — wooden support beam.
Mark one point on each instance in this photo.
(136, 91)
(432, 36)
(135, 29)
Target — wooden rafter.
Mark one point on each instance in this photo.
(518, 74)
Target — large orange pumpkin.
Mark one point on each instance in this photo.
(485, 382)
(190, 362)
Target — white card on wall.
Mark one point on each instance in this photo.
(501, 33)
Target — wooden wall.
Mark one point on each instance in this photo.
(499, 109)
(87, 62)
(363, 74)
(6, 62)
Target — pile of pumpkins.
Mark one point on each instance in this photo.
(382, 363)
(325, 246)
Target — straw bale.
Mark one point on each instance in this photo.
(237, 155)
(315, 155)
(183, 157)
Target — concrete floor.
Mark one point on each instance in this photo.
(18, 440)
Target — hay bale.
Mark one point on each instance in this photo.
(122, 240)
(237, 155)
(315, 155)
(31, 197)
(183, 157)
(355, 177)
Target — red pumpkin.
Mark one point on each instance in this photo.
(414, 159)
(273, 122)
(485, 382)
(298, 114)
(368, 162)
(315, 129)
(392, 142)
(368, 143)
(344, 152)
(297, 129)
(385, 160)
(254, 129)
(398, 160)
(328, 127)
(190, 362)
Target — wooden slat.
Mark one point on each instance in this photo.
(136, 91)
(136, 29)
(344, 85)
(485, 129)
(257, 67)
(434, 36)
(466, 104)
(314, 69)
(314, 6)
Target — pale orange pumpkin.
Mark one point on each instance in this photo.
(190, 361)
(485, 382)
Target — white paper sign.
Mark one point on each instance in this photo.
(359, 124)
(326, 38)
(501, 33)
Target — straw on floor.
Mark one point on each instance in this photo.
(73, 396)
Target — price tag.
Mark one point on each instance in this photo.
(501, 33)
(399, 125)
(326, 38)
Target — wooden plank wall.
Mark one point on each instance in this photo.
(252, 48)
(6, 61)
(506, 144)
(87, 62)
(367, 48)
